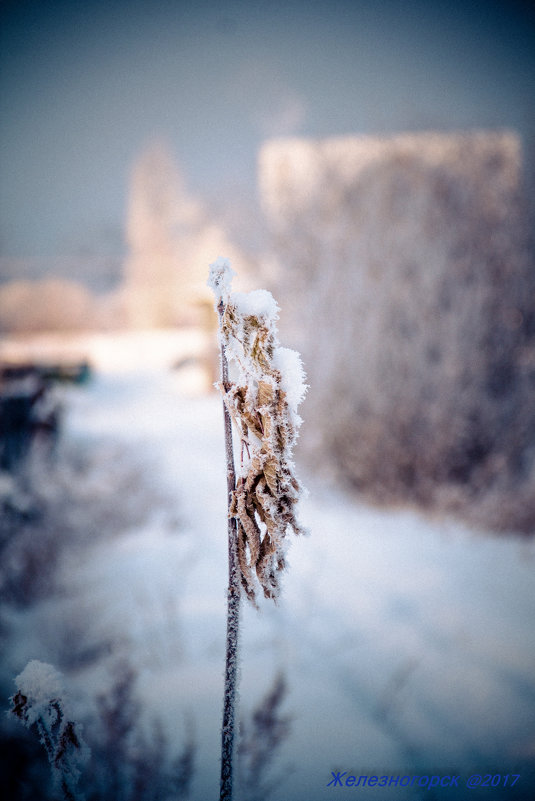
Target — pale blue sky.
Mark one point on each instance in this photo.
(85, 86)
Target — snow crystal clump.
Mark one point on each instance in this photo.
(288, 363)
(40, 706)
(258, 303)
(39, 682)
(220, 279)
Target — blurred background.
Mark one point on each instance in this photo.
(373, 165)
(87, 91)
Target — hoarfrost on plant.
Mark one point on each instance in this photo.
(40, 683)
(288, 362)
(220, 279)
(262, 403)
(258, 303)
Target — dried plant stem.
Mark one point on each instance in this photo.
(233, 604)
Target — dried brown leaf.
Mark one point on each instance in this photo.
(265, 394)
(247, 578)
(249, 524)
(270, 472)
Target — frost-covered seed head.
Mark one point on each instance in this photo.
(220, 279)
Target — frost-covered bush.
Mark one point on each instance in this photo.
(64, 505)
(170, 237)
(125, 760)
(40, 705)
(409, 271)
(131, 761)
(50, 304)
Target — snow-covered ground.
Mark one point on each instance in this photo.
(407, 644)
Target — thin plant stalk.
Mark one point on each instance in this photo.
(233, 604)
(261, 506)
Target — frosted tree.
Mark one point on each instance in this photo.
(161, 216)
(412, 262)
(170, 234)
(261, 402)
(40, 705)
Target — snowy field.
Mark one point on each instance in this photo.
(407, 644)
